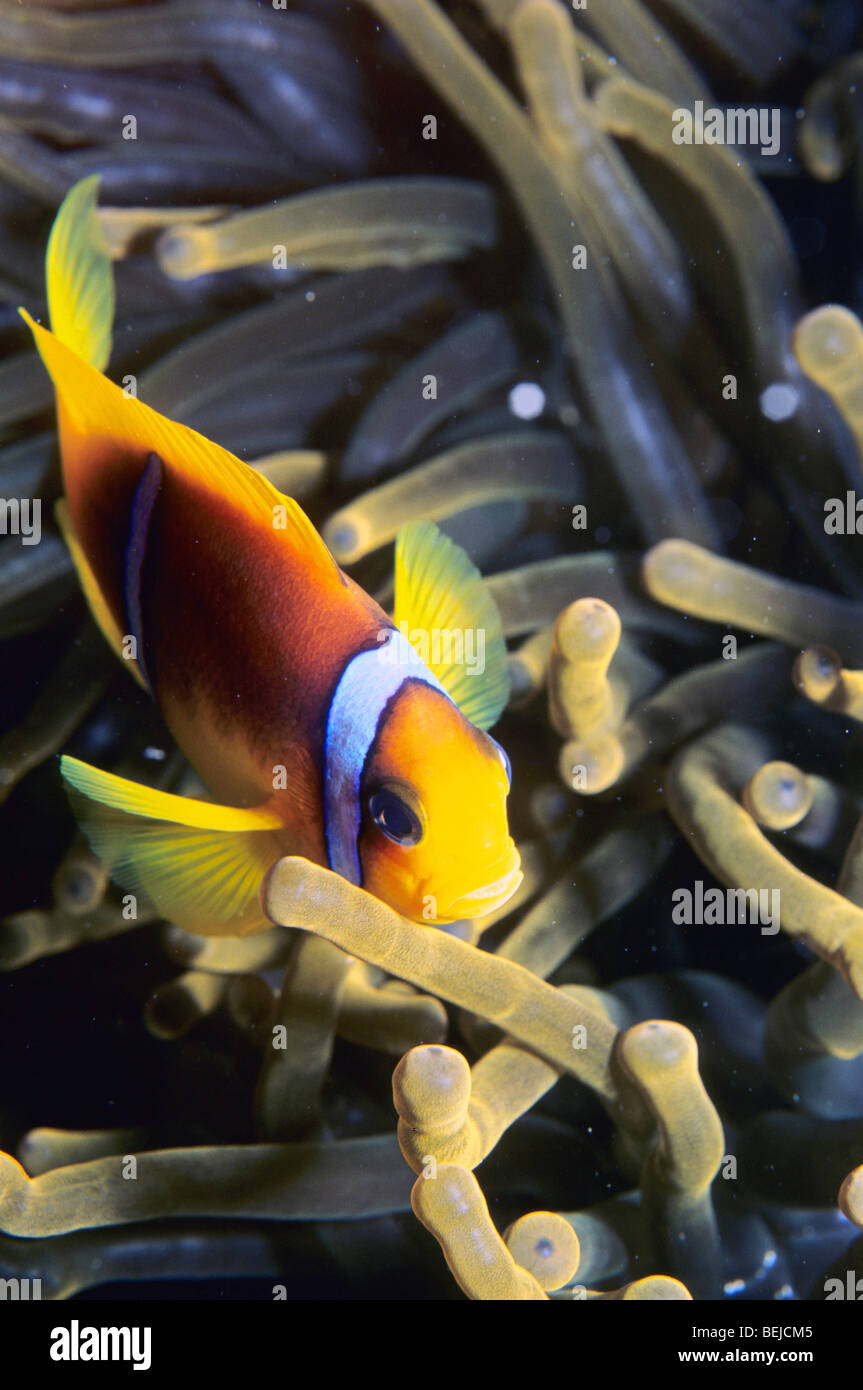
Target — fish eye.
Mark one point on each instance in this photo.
(504, 757)
(394, 817)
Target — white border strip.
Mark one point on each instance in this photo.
(367, 684)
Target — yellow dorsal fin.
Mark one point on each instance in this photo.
(93, 594)
(439, 591)
(93, 410)
(80, 277)
(200, 865)
(93, 406)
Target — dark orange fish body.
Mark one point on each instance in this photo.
(293, 695)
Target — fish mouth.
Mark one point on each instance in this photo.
(492, 895)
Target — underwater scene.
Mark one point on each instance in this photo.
(431, 651)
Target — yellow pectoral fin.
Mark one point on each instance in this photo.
(441, 593)
(200, 865)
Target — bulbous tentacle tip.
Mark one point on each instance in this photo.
(817, 672)
(545, 1244)
(431, 1087)
(851, 1196)
(654, 1288)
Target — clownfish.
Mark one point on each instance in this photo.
(301, 705)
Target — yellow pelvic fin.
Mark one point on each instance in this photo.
(200, 865)
(138, 800)
(93, 594)
(439, 591)
(80, 277)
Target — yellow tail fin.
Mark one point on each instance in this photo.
(80, 277)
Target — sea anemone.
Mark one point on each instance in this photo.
(450, 260)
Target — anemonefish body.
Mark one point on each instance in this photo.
(298, 701)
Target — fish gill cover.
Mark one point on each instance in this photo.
(578, 282)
